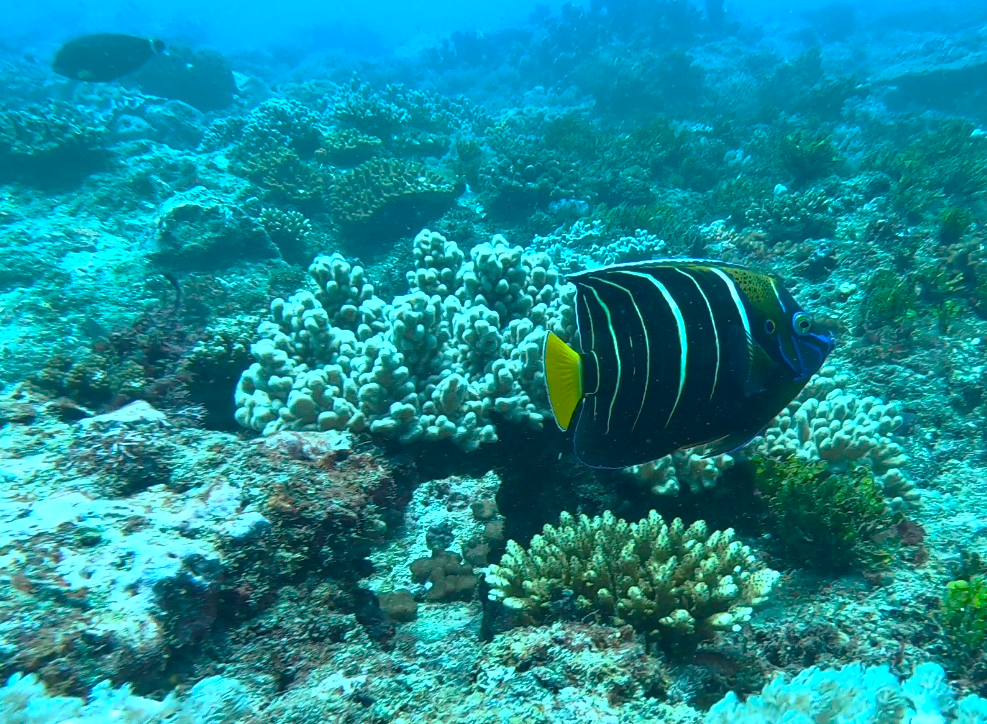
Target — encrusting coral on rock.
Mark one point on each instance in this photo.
(853, 694)
(439, 362)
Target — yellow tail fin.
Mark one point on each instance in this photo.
(564, 378)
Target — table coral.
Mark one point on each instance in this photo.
(49, 143)
(440, 362)
(387, 197)
(677, 584)
(346, 147)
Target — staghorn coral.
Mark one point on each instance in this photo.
(678, 585)
(386, 197)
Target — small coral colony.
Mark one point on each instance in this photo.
(626, 366)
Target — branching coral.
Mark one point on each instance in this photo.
(525, 175)
(275, 147)
(282, 123)
(460, 350)
(795, 215)
(51, 143)
(346, 147)
(366, 112)
(292, 233)
(679, 585)
(665, 476)
(387, 197)
(396, 109)
(844, 430)
(284, 175)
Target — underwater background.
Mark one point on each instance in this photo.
(275, 439)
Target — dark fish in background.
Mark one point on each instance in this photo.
(104, 57)
(678, 353)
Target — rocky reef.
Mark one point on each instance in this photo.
(275, 440)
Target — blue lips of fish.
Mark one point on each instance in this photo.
(678, 353)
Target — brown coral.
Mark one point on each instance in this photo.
(390, 197)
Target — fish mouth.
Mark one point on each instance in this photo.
(818, 346)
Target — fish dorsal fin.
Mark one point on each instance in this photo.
(757, 287)
(564, 379)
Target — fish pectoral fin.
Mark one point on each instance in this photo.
(738, 354)
(763, 372)
(749, 364)
(564, 379)
(727, 444)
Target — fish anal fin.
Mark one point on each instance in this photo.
(563, 377)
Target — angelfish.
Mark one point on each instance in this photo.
(105, 56)
(675, 354)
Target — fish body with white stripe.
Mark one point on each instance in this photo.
(678, 353)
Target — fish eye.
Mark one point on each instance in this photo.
(802, 323)
(769, 326)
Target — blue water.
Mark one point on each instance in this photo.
(505, 362)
